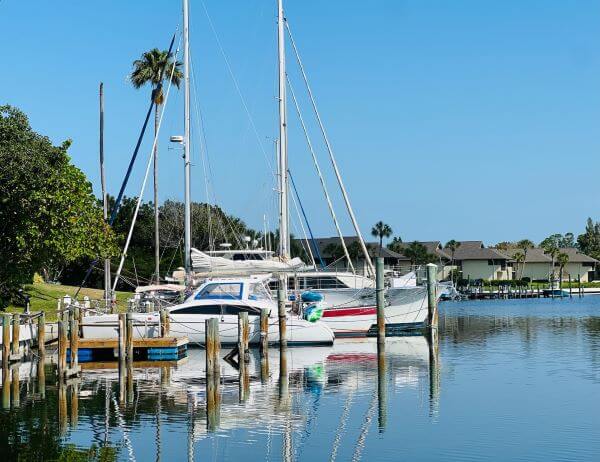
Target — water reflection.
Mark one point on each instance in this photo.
(352, 401)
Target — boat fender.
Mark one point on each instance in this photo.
(314, 312)
(311, 297)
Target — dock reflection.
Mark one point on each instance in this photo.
(262, 394)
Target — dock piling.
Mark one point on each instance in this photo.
(432, 315)
(281, 311)
(264, 345)
(62, 347)
(41, 334)
(74, 344)
(15, 354)
(380, 298)
(5, 338)
(213, 346)
(129, 337)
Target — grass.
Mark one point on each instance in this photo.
(44, 297)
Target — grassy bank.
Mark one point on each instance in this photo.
(44, 297)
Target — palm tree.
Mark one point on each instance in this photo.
(154, 67)
(519, 257)
(524, 245)
(562, 259)
(452, 245)
(381, 230)
(551, 248)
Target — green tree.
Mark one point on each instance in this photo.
(48, 214)
(519, 257)
(381, 230)
(559, 240)
(418, 255)
(551, 246)
(154, 67)
(505, 245)
(589, 241)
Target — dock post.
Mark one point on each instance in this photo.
(163, 323)
(62, 347)
(281, 311)
(16, 336)
(167, 324)
(213, 347)
(74, 344)
(243, 337)
(581, 291)
(129, 337)
(264, 345)
(213, 400)
(62, 407)
(41, 334)
(243, 356)
(432, 315)
(570, 287)
(380, 299)
(122, 335)
(5, 338)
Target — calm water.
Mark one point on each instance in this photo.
(509, 380)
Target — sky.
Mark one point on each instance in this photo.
(467, 120)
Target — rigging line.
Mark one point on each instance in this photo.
(331, 156)
(115, 209)
(203, 154)
(312, 237)
(237, 87)
(305, 242)
(139, 201)
(320, 174)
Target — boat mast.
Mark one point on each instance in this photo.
(107, 294)
(284, 235)
(186, 142)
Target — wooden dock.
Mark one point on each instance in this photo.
(144, 349)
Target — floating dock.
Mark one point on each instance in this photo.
(144, 349)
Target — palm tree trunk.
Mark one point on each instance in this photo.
(156, 222)
(380, 244)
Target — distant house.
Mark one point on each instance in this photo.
(332, 253)
(537, 265)
(580, 265)
(475, 261)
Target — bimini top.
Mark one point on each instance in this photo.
(232, 289)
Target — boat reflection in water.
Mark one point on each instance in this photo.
(278, 397)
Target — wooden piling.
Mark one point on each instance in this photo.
(243, 337)
(380, 298)
(213, 401)
(129, 337)
(167, 324)
(264, 345)
(74, 342)
(281, 311)
(581, 291)
(213, 346)
(121, 335)
(74, 396)
(16, 336)
(41, 334)
(62, 347)
(163, 323)
(432, 312)
(6, 319)
(41, 375)
(570, 288)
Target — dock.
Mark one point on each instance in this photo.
(144, 349)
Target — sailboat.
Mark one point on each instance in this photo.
(221, 298)
(346, 299)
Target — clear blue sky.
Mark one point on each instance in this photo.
(461, 119)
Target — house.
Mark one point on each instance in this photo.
(537, 264)
(579, 265)
(332, 253)
(475, 261)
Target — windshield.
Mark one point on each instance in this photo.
(221, 290)
(259, 292)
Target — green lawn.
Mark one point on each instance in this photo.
(44, 297)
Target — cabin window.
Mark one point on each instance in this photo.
(234, 310)
(199, 309)
(222, 290)
(323, 282)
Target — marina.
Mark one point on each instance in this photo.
(346, 401)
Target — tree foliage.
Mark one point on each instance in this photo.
(558, 241)
(381, 230)
(48, 214)
(589, 241)
(418, 254)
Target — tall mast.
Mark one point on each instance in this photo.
(284, 234)
(186, 141)
(107, 296)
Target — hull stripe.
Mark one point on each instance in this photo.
(355, 311)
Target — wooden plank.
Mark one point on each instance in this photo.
(157, 342)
